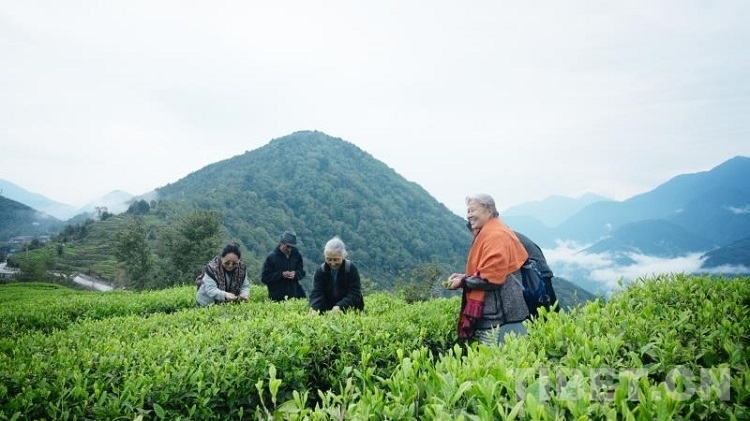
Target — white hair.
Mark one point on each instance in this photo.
(335, 244)
(484, 200)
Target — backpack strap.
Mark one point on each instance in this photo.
(347, 266)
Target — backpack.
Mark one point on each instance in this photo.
(534, 288)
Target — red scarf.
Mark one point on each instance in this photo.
(495, 254)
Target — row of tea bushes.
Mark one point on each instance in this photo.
(669, 347)
(45, 308)
(204, 363)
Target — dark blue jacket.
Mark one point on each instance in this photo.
(280, 288)
(536, 254)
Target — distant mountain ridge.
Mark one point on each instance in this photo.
(36, 201)
(553, 210)
(538, 219)
(700, 203)
(321, 186)
(652, 237)
(115, 201)
(708, 211)
(732, 257)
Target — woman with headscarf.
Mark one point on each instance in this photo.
(224, 278)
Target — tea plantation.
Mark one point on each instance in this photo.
(668, 347)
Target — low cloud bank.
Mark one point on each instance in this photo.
(601, 273)
(726, 269)
(739, 210)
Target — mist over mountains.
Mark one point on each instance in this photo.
(693, 223)
(321, 186)
(115, 201)
(553, 210)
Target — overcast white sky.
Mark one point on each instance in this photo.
(521, 100)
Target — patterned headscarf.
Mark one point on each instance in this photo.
(216, 271)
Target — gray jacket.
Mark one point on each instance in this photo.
(502, 303)
(209, 292)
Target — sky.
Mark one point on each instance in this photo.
(521, 100)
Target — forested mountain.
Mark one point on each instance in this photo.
(35, 200)
(308, 182)
(321, 186)
(18, 219)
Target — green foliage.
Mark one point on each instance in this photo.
(423, 283)
(670, 347)
(103, 213)
(194, 362)
(34, 263)
(132, 250)
(89, 247)
(73, 232)
(35, 268)
(139, 207)
(569, 295)
(192, 242)
(320, 186)
(128, 248)
(44, 307)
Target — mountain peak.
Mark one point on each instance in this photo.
(322, 186)
(554, 209)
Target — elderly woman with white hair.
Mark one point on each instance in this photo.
(492, 303)
(336, 284)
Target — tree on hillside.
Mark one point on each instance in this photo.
(34, 266)
(133, 252)
(190, 244)
(140, 207)
(74, 232)
(422, 283)
(103, 213)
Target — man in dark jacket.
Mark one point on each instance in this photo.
(283, 270)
